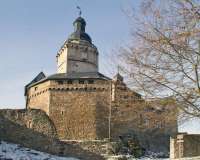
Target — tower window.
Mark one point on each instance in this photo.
(81, 82)
(90, 81)
(84, 55)
(69, 82)
(36, 88)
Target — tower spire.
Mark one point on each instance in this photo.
(79, 29)
(80, 12)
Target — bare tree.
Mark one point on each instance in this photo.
(162, 59)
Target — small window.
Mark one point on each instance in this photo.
(69, 82)
(125, 97)
(159, 124)
(36, 88)
(60, 82)
(146, 121)
(81, 82)
(29, 125)
(90, 82)
(84, 55)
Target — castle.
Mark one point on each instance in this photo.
(84, 104)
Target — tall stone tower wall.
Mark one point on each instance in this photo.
(77, 57)
(78, 111)
(62, 60)
(78, 54)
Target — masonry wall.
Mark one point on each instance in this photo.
(151, 122)
(125, 108)
(33, 119)
(77, 57)
(184, 145)
(38, 97)
(191, 145)
(18, 133)
(80, 111)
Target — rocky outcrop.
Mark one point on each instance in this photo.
(34, 119)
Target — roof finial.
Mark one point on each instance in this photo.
(80, 12)
(118, 77)
(118, 69)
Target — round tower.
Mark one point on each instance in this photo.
(78, 54)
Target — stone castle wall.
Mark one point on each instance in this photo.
(38, 97)
(151, 122)
(124, 112)
(82, 112)
(39, 137)
(34, 119)
(78, 111)
(184, 145)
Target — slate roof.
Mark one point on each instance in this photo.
(39, 77)
(86, 75)
(65, 76)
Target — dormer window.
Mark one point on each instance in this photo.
(81, 81)
(90, 81)
(60, 82)
(69, 82)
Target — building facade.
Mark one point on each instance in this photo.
(84, 104)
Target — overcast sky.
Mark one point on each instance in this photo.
(31, 33)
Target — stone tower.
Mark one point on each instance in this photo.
(84, 104)
(78, 54)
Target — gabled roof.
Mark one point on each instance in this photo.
(38, 78)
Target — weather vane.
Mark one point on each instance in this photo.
(80, 12)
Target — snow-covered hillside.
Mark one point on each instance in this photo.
(10, 151)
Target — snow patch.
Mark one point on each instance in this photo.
(10, 151)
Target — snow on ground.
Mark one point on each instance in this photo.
(10, 151)
(149, 156)
(129, 158)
